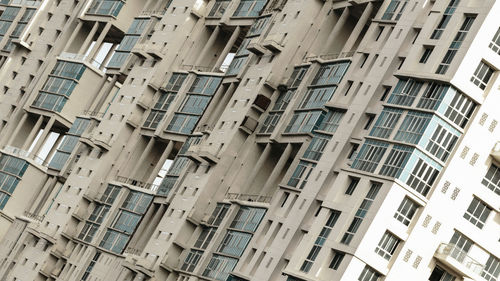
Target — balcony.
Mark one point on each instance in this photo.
(248, 197)
(328, 57)
(105, 8)
(17, 152)
(137, 183)
(455, 258)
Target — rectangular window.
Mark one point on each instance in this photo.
(191, 260)
(461, 245)
(304, 121)
(460, 109)
(218, 214)
(394, 10)
(495, 42)
(248, 218)
(320, 241)
(433, 95)
(370, 155)
(491, 270)
(387, 245)
(283, 100)
(270, 122)
(413, 127)
(301, 174)
(492, 179)
(234, 243)
(331, 121)
(337, 260)
(406, 211)
(353, 183)
(316, 146)
(205, 237)
(369, 274)
(361, 213)
(110, 194)
(405, 92)
(426, 54)
(477, 213)
(219, 8)
(330, 73)
(396, 161)
(249, 8)
(455, 45)
(436, 34)
(482, 75)
(386, 123)
(114, 241)
(422, 177)
(441, 143)
(317, 97)
(219, 267)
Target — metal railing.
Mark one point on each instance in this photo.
(80, 57)
(26, 3)
(33, 216)
(188, 67)
(153, 13)
(332, 56)
(451, 250)
(133, 251)
(96, 114)
(25, 154)
(248, 197)
(137, 183)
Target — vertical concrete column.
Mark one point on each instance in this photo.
(88, 40)
(17, 129)
(139, 277)
(33, 133)
(73, 35)
(227, 48)
(208, 45)
(38, 201)
(54, 148)
(102, 87)
(108, 56)
(99, 41)
(103, 94)
(144, 154)
(221, 104)
(277, 169)
(336, 30)
(353, 37)
(258, 165)
(43, 136)
(162, 160)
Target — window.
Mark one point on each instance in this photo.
(368, 274)
(441, 143)
(492, 179)
(436, 34)
(461, 244)
(455, 45)
(320, 241)
(234, 243)
(460, 109)
(477, 213)
(317, 97)
(396, 7)
(219, 8)
(405, 92)
(316, 147)
(114, 241)
(191, 260)
(386, 123)
(387, 245)
(248, 218)
(369, 156)
(270, 122)
(249, 8)
(337, 260)
(219, 267)
(353, 182)
(433, 95)
(495, 42)
(491, 270)
(301, 174)
(304, 121)
(413, 127)
(218, 214)
(361, 213)
(482, 75)
(439, 274)
(331, 121)
(422, 177)
(426, 54)
(406, 211)
(369, 121)
(396, 161)
(330, 73)
(89, 268)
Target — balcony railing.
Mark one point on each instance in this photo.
(137, 183)
(80, 57)
(133, 251)
(95, 114)
(33, 216)
(24, 3)
(248, 197)
(332, 56)
(105, 7)
(24, 154)
(446, 251)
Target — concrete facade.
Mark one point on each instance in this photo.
(281, 140)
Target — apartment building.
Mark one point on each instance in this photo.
(282, 140)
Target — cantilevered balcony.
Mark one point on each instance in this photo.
(105, 7)
(459, 260)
